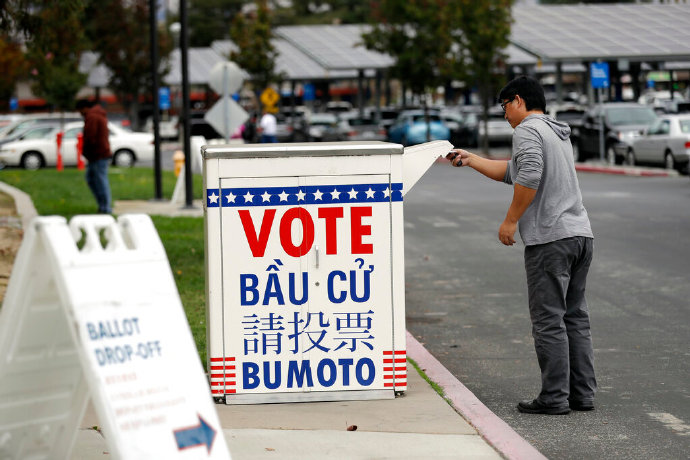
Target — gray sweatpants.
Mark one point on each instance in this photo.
(556, 278)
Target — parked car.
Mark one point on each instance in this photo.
(325, 127)
(198, 126)
(168, 129)
(469, 131)
(338, 107)
(623, 122)
(388, 116)
(292, 126)
(26, 121)
(38, 147)
(568, 113)
(357, 128)
(454, 121)
(497, 127)
(666, 142)
(410, 128)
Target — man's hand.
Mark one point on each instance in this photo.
(506, 233)
(459, 157)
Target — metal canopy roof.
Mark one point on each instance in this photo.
(200, 60)
(291, 62)
(591, 32)
(335, 47)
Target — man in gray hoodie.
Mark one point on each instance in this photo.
(554, 226)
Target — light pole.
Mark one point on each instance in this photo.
(184, 45)
(158, 192)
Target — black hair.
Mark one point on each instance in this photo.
(528, 89)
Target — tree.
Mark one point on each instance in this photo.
(252, 34)
(483, 31)
(416, 34)
(13, 67)
(208, 20)
(55, 43)
(115, 29)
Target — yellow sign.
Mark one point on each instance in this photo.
(269, 97)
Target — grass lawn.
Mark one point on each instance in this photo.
(66, 194)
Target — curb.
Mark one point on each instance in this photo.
(22, 201)
(618, 170)
(623, 171)
(494, 430)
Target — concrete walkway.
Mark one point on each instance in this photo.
(419, 424)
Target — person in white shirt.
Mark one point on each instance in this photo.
(268, 128)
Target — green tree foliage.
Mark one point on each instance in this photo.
(13, 66)
(208, 19)
(119, 32)
(54, 46)
(323, 12)
(482, 32)
(252, 34)
(415, 33)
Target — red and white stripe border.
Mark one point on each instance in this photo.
(223, 374)
(395, 369)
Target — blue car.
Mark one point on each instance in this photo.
(410, 128)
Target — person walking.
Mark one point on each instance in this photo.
(249, 133)
(547, 209)
(97, 151)
(268, 128)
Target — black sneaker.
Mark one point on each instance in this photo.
(581, 405)
(535, 407)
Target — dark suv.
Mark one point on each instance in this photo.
(623, 121)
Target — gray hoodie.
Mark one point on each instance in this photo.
(543, 160)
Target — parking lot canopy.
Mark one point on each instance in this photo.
(292, 63)
(578, 33)
(335, 47)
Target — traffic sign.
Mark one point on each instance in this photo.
(226, 116)
(164, 98)
(308, 92)
(599, 72)
(269, 97)
(225, 78)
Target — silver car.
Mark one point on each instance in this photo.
(665, 142)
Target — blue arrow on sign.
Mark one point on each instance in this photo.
(195, 436)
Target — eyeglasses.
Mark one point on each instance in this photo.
(504, 104)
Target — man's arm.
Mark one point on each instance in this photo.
(522, 197)
(493, 169)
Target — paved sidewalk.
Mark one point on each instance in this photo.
(417, 425)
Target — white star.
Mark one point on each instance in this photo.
(335, 194)
(370, 193)
(317, 195)
(283, 196)
(213, 198)
(387, 192)
(231, 197)
(301, 195)
(248, 198)
(266, 196)
(352, 193)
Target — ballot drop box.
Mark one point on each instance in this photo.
(305, 269)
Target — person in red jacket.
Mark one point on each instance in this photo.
(97, 152)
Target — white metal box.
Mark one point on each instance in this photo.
(305, 271)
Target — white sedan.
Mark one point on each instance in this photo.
(38, 147)
(665, 142)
